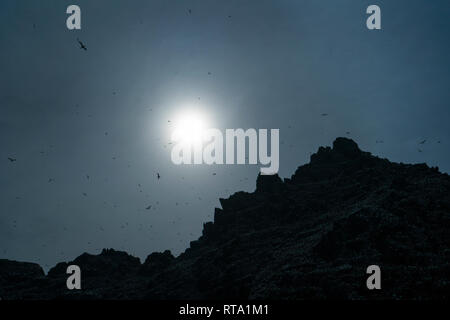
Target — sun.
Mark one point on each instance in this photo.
(189, 126)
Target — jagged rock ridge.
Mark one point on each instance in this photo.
(308, 237)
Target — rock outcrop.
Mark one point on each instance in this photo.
(308, 237)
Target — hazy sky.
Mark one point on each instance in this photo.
(67, 114)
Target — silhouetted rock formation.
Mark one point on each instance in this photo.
(308, 237)
(19, 276)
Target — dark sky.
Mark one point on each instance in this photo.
(66, 113)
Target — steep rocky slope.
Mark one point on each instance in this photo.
(308, 237)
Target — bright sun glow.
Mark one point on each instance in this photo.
(189, 126)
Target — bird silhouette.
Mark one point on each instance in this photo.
(324, 114)
(190, 11)
(12, 159)
(82, 46)
(158, 176)
(422, 142)
(148, 208)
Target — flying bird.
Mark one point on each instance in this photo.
(324, 114)
(82, 46)
(422, 142)
(158, 176)
(12, 159)
(148, 208)
(190, 11)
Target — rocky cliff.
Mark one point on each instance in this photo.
(308, 237)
